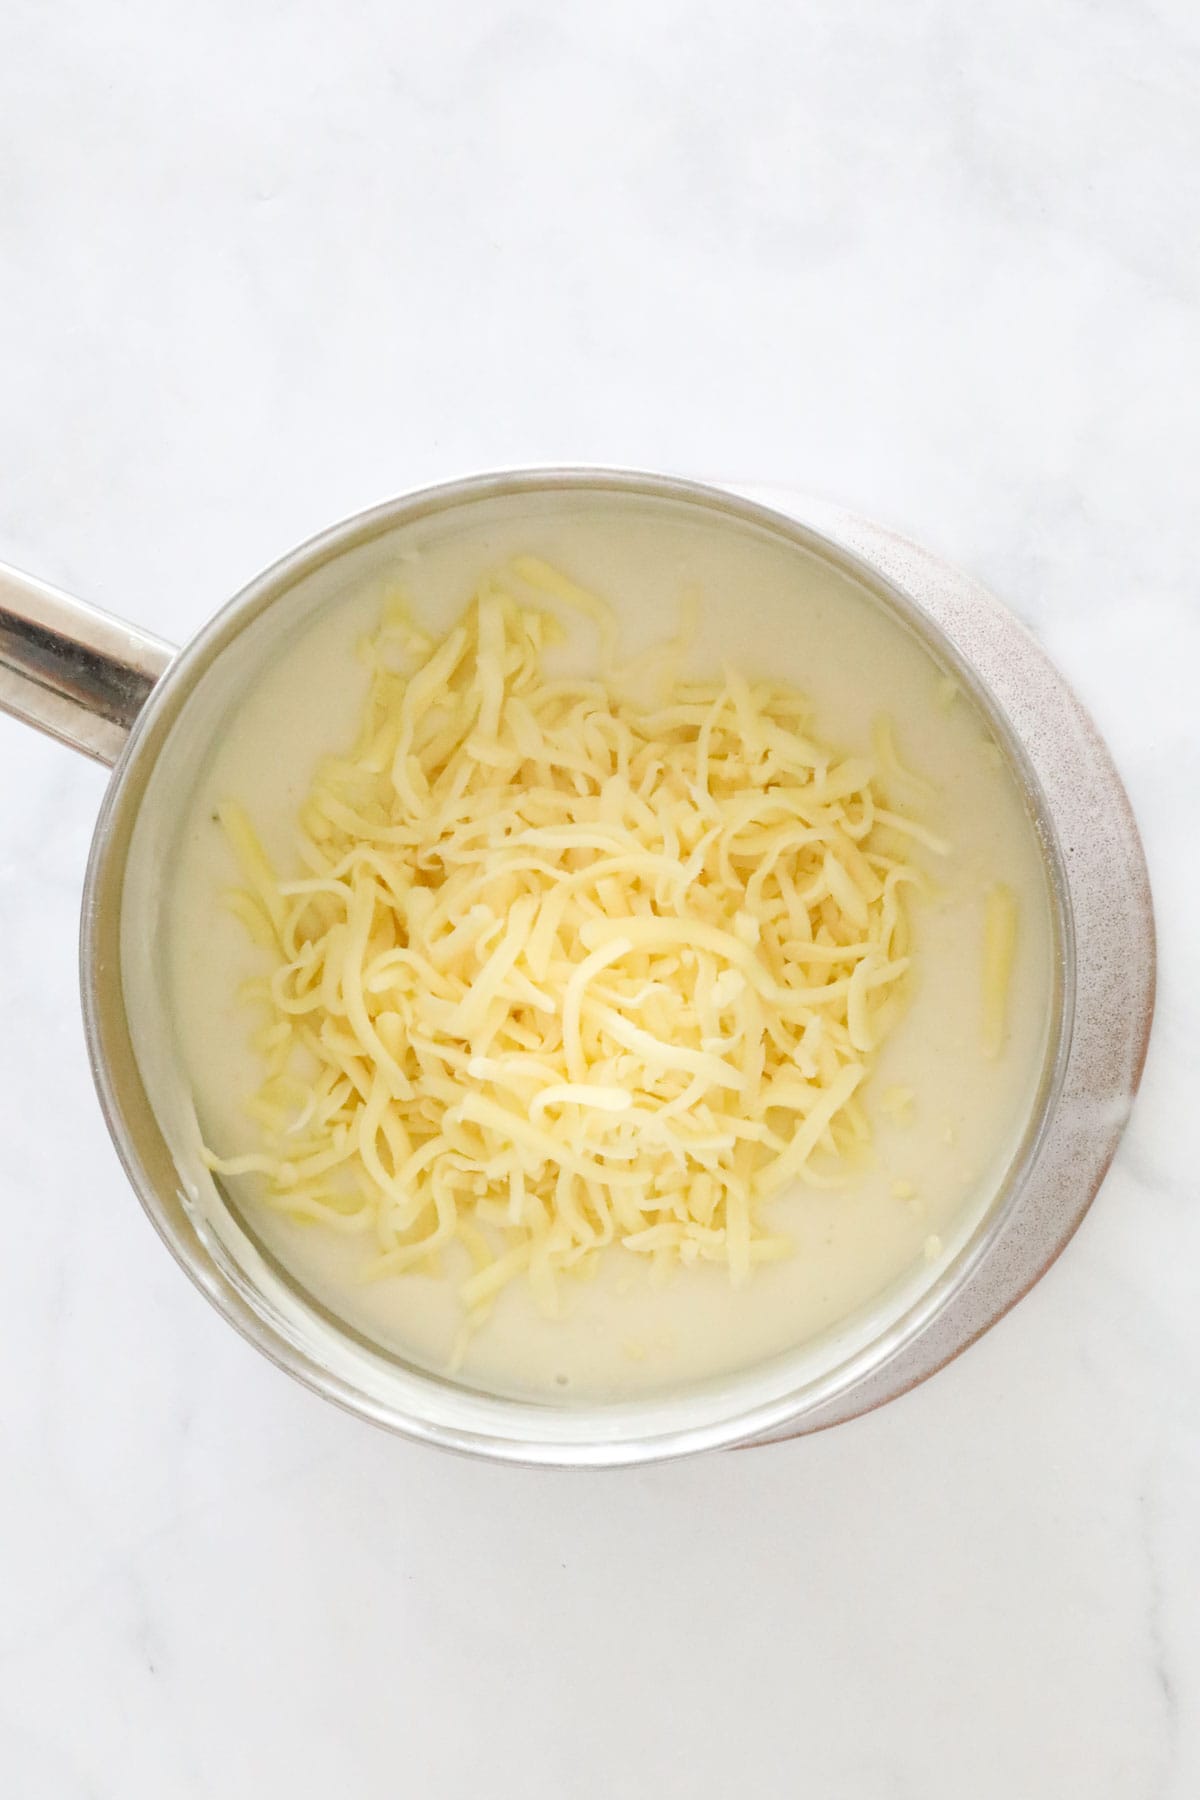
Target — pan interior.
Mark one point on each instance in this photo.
(770, 604)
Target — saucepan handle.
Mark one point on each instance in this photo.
(75, 672)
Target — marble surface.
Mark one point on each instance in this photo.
(263, 265)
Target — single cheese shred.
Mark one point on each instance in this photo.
(566, 968)
(999, 944)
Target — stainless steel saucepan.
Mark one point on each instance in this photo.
(129, 700)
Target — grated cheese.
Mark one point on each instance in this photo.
(566, 970)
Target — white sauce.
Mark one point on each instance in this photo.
(768, 609)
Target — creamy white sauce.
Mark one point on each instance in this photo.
(769, 609)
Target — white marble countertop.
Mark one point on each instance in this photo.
(261, 265)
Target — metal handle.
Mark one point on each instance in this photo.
(75, 672)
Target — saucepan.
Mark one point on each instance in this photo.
(152, 713)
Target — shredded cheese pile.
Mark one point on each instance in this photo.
(568, 968)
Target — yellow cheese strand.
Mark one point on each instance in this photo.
(999, 945)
